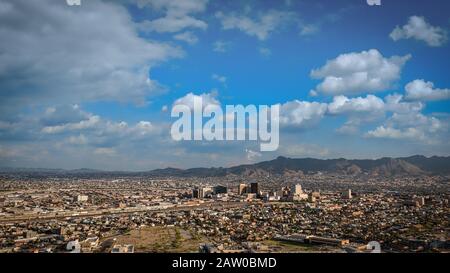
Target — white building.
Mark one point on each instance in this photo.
(297, 193)
(347, 194)
(122, 249)
(73, 247)
(82, 198)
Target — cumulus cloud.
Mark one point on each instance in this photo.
(355, 73)
(260, 27)
(178, 15)
(392, 133)
(174, 7)
(310, 29)
(424, 91)
(252, 155)
(412, 126)
(207, 99)
(171, 24)
(350, 127)
(87, 128)
(221, 46)
(301, 114)
(358, 110)
(342, 105)
(404, 119)
(187, 37)
(91, 122)
(77, 140)
(219, 78)
(418, 28)
(54, 53)
(396, 103)
(364, 110)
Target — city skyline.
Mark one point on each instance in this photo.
(92, 86)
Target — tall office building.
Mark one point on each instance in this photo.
(296, 189)
(254, 188)
(242, 189)
(297, 194)
(220, 189)
(195, 193)
(347, 194)
(204, 192)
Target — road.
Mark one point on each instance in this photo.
(115, 211)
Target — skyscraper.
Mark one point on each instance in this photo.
(296, 189)
(220, 189)
(347, 194)
(254, 188)
(297, 194)
(195, 193)
(242, 189)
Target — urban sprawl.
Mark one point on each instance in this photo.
(316, 212)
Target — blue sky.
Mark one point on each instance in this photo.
(92, 86)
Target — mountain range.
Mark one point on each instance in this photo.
(414, 165)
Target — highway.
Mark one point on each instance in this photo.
(115, 211)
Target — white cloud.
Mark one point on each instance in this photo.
(187, 37)
(88, 53)
(78, 140)
(105, 151)
(301, 114)
(412, 126)
(178, 15)
(207, 99)
(359, 110)
(144, 128)
(91, 122)
(174, 7)
(405, 120)
(219, 78)
(342, 104)
(260, 27)
(395, 103)
(308, 30)
(252, 155)
(350, 127)
(424, 91)
(355, 73)
(392, 133)
(221, 46)
(418, 28)
(171, 24)
(416, 120)
(93, 126)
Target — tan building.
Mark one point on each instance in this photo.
(242, 189)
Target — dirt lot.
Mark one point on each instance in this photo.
(160, 239)
(289, 247)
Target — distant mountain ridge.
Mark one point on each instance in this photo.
(414, 165)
